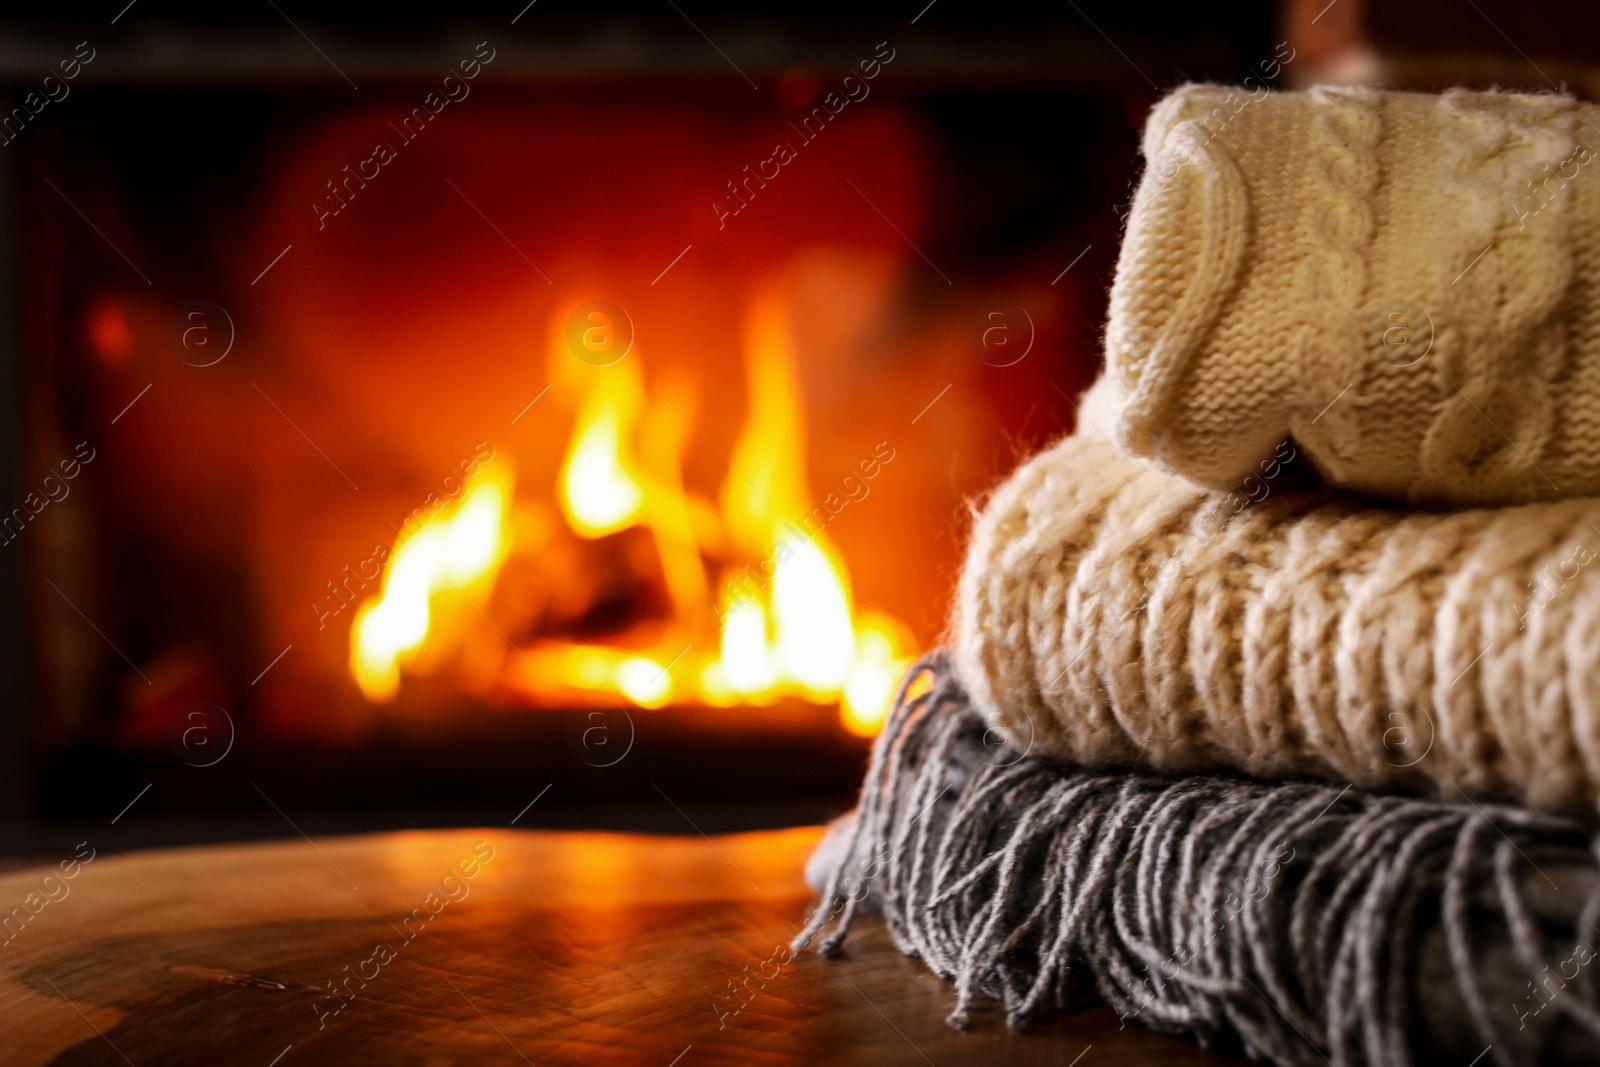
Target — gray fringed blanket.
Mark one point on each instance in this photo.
(1303, 922)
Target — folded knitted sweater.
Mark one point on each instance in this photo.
(1116, 615)
(1407, 284)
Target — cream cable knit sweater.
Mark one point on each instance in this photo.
(1117, 615)
(1408, 284)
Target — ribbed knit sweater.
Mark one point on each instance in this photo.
(1120, 616)
(1407, 284)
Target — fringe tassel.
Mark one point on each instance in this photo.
(1300, 922)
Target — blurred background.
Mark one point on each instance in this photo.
(410, 416)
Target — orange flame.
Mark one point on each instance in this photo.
(599, 492)
(782, 627)
(452, 550)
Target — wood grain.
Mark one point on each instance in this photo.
(561, 948)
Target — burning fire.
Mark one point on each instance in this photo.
(454, 550)
(598, 493)
(783, 626)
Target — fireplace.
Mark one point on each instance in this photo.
(478, 412)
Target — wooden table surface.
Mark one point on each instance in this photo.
(560, 948)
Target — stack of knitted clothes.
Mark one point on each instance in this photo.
(1272, 712)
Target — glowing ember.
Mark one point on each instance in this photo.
(645, 681)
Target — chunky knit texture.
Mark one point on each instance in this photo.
(1116, 615)
(1407, 284)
